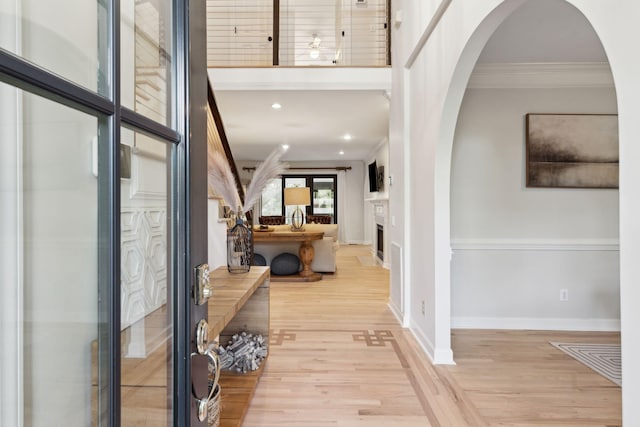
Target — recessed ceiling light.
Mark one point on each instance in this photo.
(341, 153)
(285, 147)
(347, 137)
(276, 106)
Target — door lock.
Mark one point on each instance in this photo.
(201, 289)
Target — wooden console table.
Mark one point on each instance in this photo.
(306, 251)
(240, 302)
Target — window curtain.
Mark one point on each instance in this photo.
(343, 205)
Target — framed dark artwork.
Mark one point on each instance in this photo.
(380, 178)
(572, 150)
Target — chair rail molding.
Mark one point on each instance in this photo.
(525, 244)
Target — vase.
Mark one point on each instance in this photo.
(239, 246)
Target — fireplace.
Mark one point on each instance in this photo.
(380, 242)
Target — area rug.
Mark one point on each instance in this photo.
(605, 359)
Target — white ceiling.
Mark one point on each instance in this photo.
(313, 122)
(544, 31)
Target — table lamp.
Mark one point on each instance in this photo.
(297, 196)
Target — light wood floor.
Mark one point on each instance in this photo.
(339, 358)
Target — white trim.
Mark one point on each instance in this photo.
(406, 199)
(12, 262)
(435, 20)
(542, 324)
(282, 78)
(374, 152)
(535, 244)
(541, 75)
(436, 356)
(399, 267)
(395, 310)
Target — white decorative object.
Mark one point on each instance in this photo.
(244, 353)
(144, 262)
(222, 180)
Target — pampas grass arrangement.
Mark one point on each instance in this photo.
(222, 180)
(270, 169)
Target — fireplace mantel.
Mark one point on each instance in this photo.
(380, 224)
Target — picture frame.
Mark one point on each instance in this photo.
(380, 178)
(572, 150)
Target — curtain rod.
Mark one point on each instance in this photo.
(338, 168)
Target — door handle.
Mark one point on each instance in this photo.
(204, 388)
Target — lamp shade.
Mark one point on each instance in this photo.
(297, 196)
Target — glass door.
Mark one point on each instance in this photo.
(324, 197)
(52, 321)
(103, 191)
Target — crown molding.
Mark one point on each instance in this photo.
(541, 75)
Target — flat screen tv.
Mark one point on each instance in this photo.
(373, 177)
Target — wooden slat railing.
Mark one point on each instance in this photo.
(217, 139)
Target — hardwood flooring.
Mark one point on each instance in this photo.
(338, 357)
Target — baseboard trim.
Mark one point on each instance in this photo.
(436, 356)
(542, 324)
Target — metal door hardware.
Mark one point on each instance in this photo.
(201, 289)
(202, 336)
(202, 388)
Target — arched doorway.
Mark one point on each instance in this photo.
(437, 78)
(529, 257)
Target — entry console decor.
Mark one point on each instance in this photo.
(572, 150)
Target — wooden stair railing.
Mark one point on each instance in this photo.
(217, 139)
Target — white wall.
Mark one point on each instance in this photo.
(401, 39)
(381, 157)
(437, 80)
(353, 225)
(514, 247)
(217, 236)
(377, 202)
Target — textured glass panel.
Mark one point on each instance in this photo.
(63, 36)
(146, 58)
(48, 263)
(146, 311)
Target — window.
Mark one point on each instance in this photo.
(323, 196)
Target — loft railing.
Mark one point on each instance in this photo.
(263, 33)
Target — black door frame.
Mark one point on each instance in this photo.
(188, 234)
